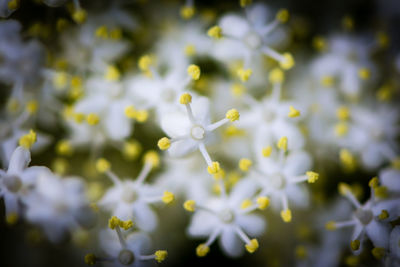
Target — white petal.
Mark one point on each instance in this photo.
(144, 217)
(243, 189)
(233, 25)
(230, 243)
(258, 14)
(117, 124)
(297, 163)
(394, 242)
(391, 179)
(19, 160)
(202, 224)
(182, 147)
(251, 224)
(140, 243)
(378, 233)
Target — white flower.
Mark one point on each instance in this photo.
(394, 246)
(390, 177)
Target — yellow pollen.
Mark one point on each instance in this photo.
(331, 226)
(194, 71)
(101, 32)
(112, 74)
(220, 174)
(13, 105)
(161, 255)
(252, 246)
(238, 89)
(215, 32)
(282, 143)
(383, 215)
(152, 158)
(293, 113)
(378, 253)
(287, 62)
(113, 222)
(76, 82)
(164, 143)
(319, 43)
(245, 164)
(131, 149)
(244, 74)
(27, 141)
(286, 215)
(168, 197)
(355, 245)
(189, 205)
(352, 261)
(347, 159)
(60, 166)
(276, 76)
(381, 192)
(187, 12)
(190, 50)
(244, 3)
(78, 117)
(130, 112)
(79, 16)
(364, 73)
(90, 259)
(13, 4)
(301, 252)
(385, 93)
(232, 131)
(245, 204)
(395, 163)
(92, 119)
(263, 202)
(344, 188)
(374, 182)
(266, 151)
(341, 129)
(348, 23)
(232, 115)
(383, 39)
(64, 148)
(60, 80)
(142, 116)
(214, 168)
(11, 218)
(145, 62)
(102, 165)
(202, 250)
(116, 34)
(32, 106)
(327, 81)
(185, 99)
(312, 176)
(282, 15)
(343, 113)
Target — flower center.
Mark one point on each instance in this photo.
(226, 216)
(278, 181)
(364, 216)
(168, 95)
(129, 195)
(126, 257)
(12, 183)
(197, 132)
(253, 40)
(269, 115)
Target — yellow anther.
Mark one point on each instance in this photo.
(347, 159)
(276, 76)
(126, 225)
(76, 82)
(381, 192)
(348, 23)
(352, 261)
(293, 113)
(312, 176)
(343, 113)
(244, 3)
(331, 226)
(282, 15)
(378, 253)
(60, 166)
(185, 99)
(161, 255)
(383, 215)
(164, 143)
(190, 50)
(60, 80)
(266, 151)
(244, 74)
(220, 174)
(79, 117)
(301, 252)
(355, 245)
(232, 115)
(364, 73)
(238, 89)
(102, 165)
(385, 93)
(113, 222)
(287, 62)
(194, 71)
(90, 259)
(215, 32)
(246, 203)
(61, 24)
(263, 202)
(383, 39)
(190, 205)
(79, 16)
(11, 218)
(116, 34)
(374, 182)
(32, 106)
(94, 207)
(92, 119)
(142, 116)
(232, 131)
(187, 12)
(344, 188)
(13, 4)
(214, 168)
(131, 149)
(252, 246)
(145, 62)
(286, 215)
(327, 81)
(245, 164)
(95, 191)
(28, 140)
(130, 112)
(112, 74)
(341, 129)
(395, 163)
(202, 250)
(282, 143)
(168, 197)
(64, 148)
(102, 32)
(152, 158)
(13, 105)
(319, 43)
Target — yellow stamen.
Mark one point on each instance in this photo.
(381, 192)
(312, 176)
(288, 61)
(238, 89)
(32, 106)
(13, 4)
(245, 164)
(282, 15)
(374, 182)
(232, 115)
(286, 215)
(164, 143)
(202, 250)
(378, 253)
(301, 252)
(190, 50)
(92, 119)
(145, 62)
(347, 159)
(112, 74)
(215, 32)
(244, 3)
(11, 218)
(214, 168)
(331, 226)
(90, 259)
(79, 16)
(252, 246)
(245, 204)
(263, 202)
(319, 43)
(341, 129)
(187, 12)
(293, 113)
(152, 158)
(282, 143)
(194, 71)
(364, 73)
(355, 245)
(131, 150)
(161, 255)
(28, 140)
(102, 165)
(64, 148)
(244, 74)
(276, 76)
(344, 188)
(343, 113)
(383, 215)
(189, 205)
(266, 151)
(185, 99)
(327, 81)
(168, 197)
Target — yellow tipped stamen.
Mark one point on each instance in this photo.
(112, 74)
(27, 141)
(232, 115)
(352, 261)
(142, 116)
(245, 204)
(355, 245)
(190, 50)
(341, 129)
(101, 32)
(238, 89)
(331, 226)
(161, 255)
(189, 205)
(378, 253)
(64, 148)
(286, 215)
(60, 166)
(383, 215)
(385, 93)
(348, 23)
(374, 182)
(282, 15)
(79, 16)
(32, 106)
(381, 192)
(312, 176)
(220, 174)
(244, 74)
(113, 222)
(164, 143)
(343, 113)
(13, 4)
(245, 164)
(185, 99)
(202, 250)
(266, 151)
(383, 39)
(214, 168)
(319, 43)
(288, 61)
(194, 71)
(215, 32)
(79, 117)
(244, 3)
(364, 73)
(347, 159)
(282, 143)
(252, 246)
(344, 189)
(152, 158)
(395, 163)
(13, 105)
(327, 81)
(263, 202)
(168, 197)
(90, 259)
(276, 76)
(130, 112)
(301, 252)
(92, 119)
(145, 62)
(102, 165)
(187, 12)
(131, 150)
(293, 113)
(11, 218)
